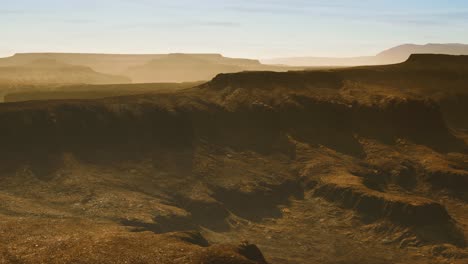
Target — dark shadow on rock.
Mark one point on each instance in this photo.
(192, 237)
(162, 225)
(261, 203)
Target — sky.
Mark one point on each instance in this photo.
(237, 28)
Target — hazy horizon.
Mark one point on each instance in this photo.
(254, 29)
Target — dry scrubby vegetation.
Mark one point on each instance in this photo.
(332, 166)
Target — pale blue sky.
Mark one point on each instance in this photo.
(253, 28)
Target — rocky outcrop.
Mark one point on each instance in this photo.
(409, 210)
(438, 61)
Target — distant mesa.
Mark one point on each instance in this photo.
(394, 55)
(182, 67)
(438, 60)
(151, 68)
(402, 52)
(186, 67)
(52, 71)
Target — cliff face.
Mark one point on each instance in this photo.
(255, 110)
(441, 78)
(457, 64)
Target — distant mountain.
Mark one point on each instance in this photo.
(394, 55)
(105, 63)
(188, 68)
(150, 68)
(50, 71)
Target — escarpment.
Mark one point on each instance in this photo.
(164, 121)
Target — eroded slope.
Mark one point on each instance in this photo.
(292, 161)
